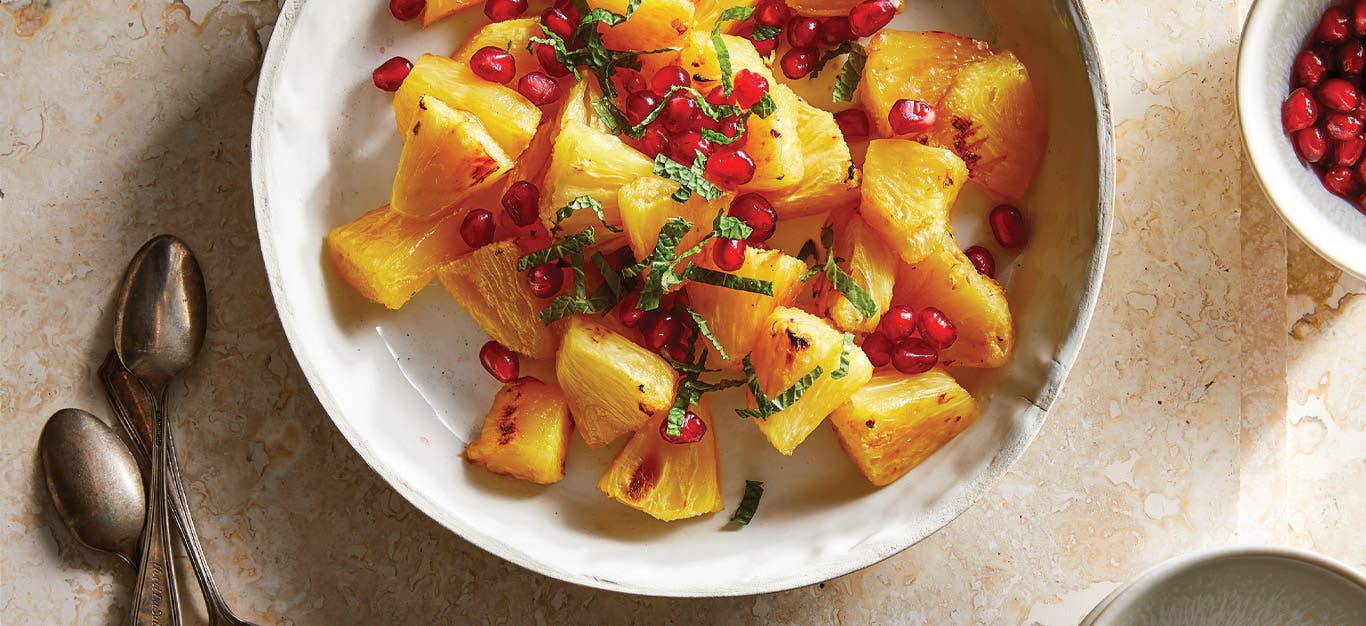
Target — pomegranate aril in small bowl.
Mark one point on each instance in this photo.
(1342, 127)
(1348, 151)
(539, 88)
(1341, 181)
(1309, 69)
(390, 74)
(499, 361)
(493, 64)
(1334, 27)
(1009, 227)
(477, 228)
(503, 10)
(1339, 95)
(1351, 57)
(1299, 111)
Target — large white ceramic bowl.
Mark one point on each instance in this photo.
(406, 389)
(1273, 35)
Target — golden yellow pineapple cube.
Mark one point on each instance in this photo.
(914, 66)
(587, 160)
(706, 12)
(830, 181)
(447, 157)
(486, 283)
(613, 385)
(991, 118)
(388, 257)
(896, 421)
(645, 206)
(870, 261)
(792, 344)
(655, 24)
(510, 35)
(908, 192)
(974, 303)
(526, 433)
(509, 117)
(438, 10)
(668, 481)
(736, 317)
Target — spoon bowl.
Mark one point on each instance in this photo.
(95, 483)
(159, 327)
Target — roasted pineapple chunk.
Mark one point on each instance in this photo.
(992, 120)
(826, 8)
(773, 142)
(587, 160)
(706, 12)
(870, 262)
(509, 118)
(736, 317)
(447, 157)
(438, 10)
(526, 433)
(613, 385)
(388, 258)
(829, 180)
(486, 283)
(915, 66)
(792, 344)
(668, 481)
(645, 206)
(896, 421)
(510, 35)
(974, 303)
(654, 24)
(908, 192)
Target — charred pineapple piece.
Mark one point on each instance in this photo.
(668, 481)
(447, 157)
(654, 24)
(974, 303)
(737, 317)
(645, 206)
(896, 421)
(870, 261)
(388, 258)
(706, 12)
(829, 181)
(587, 160)
(438, 10)
(908, 192)
(486, 283)
(526, 433)
(914, 66)
(509, 117)
(613, 386)
(510, 35)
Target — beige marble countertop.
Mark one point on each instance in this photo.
(1217, 399)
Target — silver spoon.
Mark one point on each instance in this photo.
(94, 482)
(158, 329)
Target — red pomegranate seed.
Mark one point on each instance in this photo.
(914, 356)
(684, 148)
(691, 431)
(717, 96)
(499, 361)
(898, 323)
(772, 13)
(1334, 27)
(522, 202)
(1348, 152)
(870, 16)
(503, 10)
(1009, 227)
(730, 168)
(1309, 69)
(935, 328)
(764, 47)
(1338, 95)
(629, 81)
(545, 279)
(477, 228)
(757, 213)
(680, 112)
(640, 105)
(493, 64)
(1351, 56)
(728, 254)
(803, 32)
(982, 260)
(734, 127)
(569, 9)
(545, 56)
(836, 30)
(655, 142)
(1342, 127)
(750, 87)
(1340, 181)
(1300, 111)
(665, 330)
(390, 74)
(878, 348)
(629, 315)
(1311, 144)
(797, 62)
(854, 124)
(539, 88)
(404, 10)
(667, 78)
(559, 23)
(911, 116)
(1359, 18)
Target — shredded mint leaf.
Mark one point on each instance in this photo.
(575, 243)
(610, 278)
(765, 107)
(578, 204)
(562, 52)
(703, 328)
(610, 115)
(764, 32)
(603, 16)
(727, 227)
(660, 264)
(729, 281)
(631, 7)
(580, 274)
(846, 82)
(846, 353)
(856, 295)
(754, 490)
(719, 138)
(723, 54)
(834, 53)
(713, 111)
(808, 251)
(690, 179)
(684, 397)
(790, 396)
(564, 306)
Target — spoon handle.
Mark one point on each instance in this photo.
(155, 602)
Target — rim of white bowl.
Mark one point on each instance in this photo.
(1066, 356)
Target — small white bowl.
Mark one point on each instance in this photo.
(1249, 585)
(1274, 33)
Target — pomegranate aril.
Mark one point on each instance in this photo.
(1335, 26)
(477, 228)
(654, 143)
(503, 10)
(1348, 151)
(522, 202)
(798, 62)
(499, 361)
(717, 96)
(493, 64)
(897, 323)
(390, 74)
(668, 77)
(1339, 95)
(1342, 127)
(854, 124)
(640, 105)
(1359, 18)
(1311, 144)
(803, 31)
(914, 356)
(629, 315)
(1340, 181)
(545, 56)
(680, 112)
(665, 330)
(878, 349)
(1351, 57)
(764, 47)
(690, 431)
(539, 88)
(629, 81)
(870, 16)
(1300, 111)
(982, 260)
(750, 88)
(911, 117)
(836, 30)
(935, 328)
(684, 148)
(545, 279)
(730, 168)
(734, 128)
(757, 213)
(1309, 69)
(404, 10)
(1009, 227)
(559, 23)
(728, 254)
(772, 13)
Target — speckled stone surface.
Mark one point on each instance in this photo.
(1217, 399)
